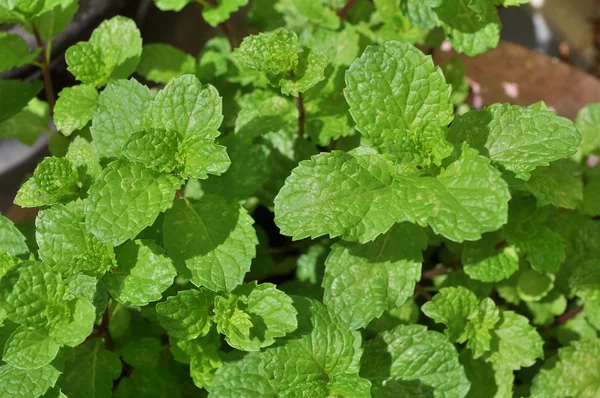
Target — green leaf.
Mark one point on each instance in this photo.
(310, 361)
(486, 380)
(143, 274)
(242, 379)
(587, 122)
(350, 385)
(252, 316)
(19, 383)
(466, 199)
(263, 112)
(518, 139)
(28, 124)
(390, 109)
(389, 363)
(308, 12)
(125, 199)
(340, 194)
(273, 53)
(29, 348)
(161, 62)
(533, 286)
(574, 373)
(453, 306)
(81, 153)
(154, 148)
(185, 316)
(219, 13)
(171, 5)
(203, 356)
(12, 240)
(14, 51)
(73, 329)
(92, 372)
(213, 238)
(53, 180)
(31, 294)
(363, 280)
(120, 114)
(473, 26)
(198, 158)
(479, 326)
(113, 52)
(15, 95)
(55, 20)
(557, 185)
(309, 71)
(75, 108)
(591, 193)
(515, 343)
(143, 353)
(187, 107)
(84, 253)
(490, 259)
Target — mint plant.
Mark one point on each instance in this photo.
(308, 211)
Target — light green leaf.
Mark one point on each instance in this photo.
(28, 124)
(479, 326)
(217, 14)
(389, 363)
(401, 103)
(587, 122)
(557, 185)
(518, 139)
(125, 199)
(533, 286)
(12, 240)
(55, 20)
(486, 380)
(75, 108)
(242, 379)
(263, 112)
(309, 71)
(338, 194)
(213, 238)
(84, 253)
(19, 383)
(29, 348)
(53, 180)
(113, 52)
(574, 373)
(453, 306)
(31, 294)
(143, 274)
(81, 153)
(350, 385)
(15, 95)
(202, 354)
(308, 360)
(490, 259)
(171, 5)
(591, 193)
(185, 316)
(198, 158)
(273, 53)
(77, 325)
(161, 62)
(119, 115)
(155, 149)
(363, 280)
(188, 107)
(252, 316)
(515, 343)
(92, 372)
(14, 51)
(308, 12)
(466, 199)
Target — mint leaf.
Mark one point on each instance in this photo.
(113, 214)
(203, 356)
(273, 53)
(144, 272)
(242, 378)
(252, 316)
(185, 316)
(27, 125)
(29, 349)
(263, 112)
(31, 294)
(12, 240)
(53, 180)
(390, 110)
(389, 363)
(113, 52)
(587, 121)
(306, 12)
(198, 158)
(84, 253)
(485, 378)
(469, 190)
(490, 259)
(558, 184)
(75, 108)
(120, 112)
(518, 139)
(52, 21)
(363, 280)
(308, 360)
(213, 238)
(154, 148)
(161, 62)
(338, 194)
(219, 13)
(20, 383)
(309, 71)
(81, 153)
(14, 51)
(574, 373)
(452, 306)
(171, 5)
(187, 107)
(15, 95)
(92, 372)
(73, 329)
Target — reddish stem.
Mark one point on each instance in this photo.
(432, 273)
(342, 11)
(46, 71)
(568, 315)
(301, 114)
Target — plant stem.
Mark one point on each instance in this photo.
(342, 11)
(228, 34)
(45, 70)
(301, 114)
(568, 315)
(432, 273)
